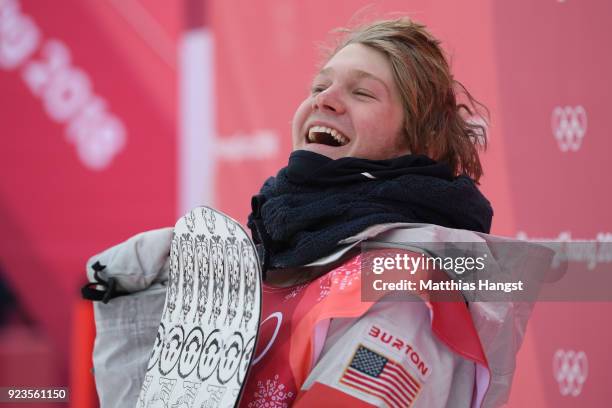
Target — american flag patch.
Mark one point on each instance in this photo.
(377, 375)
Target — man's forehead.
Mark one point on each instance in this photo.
(359, 57)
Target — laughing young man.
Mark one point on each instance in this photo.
(381, 147)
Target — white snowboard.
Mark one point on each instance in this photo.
(207, 334)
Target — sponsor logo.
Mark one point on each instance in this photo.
(570, 369)
(386, 339)
(569, 126)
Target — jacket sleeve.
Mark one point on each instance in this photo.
(389, 357)
(126, 326)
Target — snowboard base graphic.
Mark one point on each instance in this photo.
(207, 334)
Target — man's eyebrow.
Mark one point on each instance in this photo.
(359, 74)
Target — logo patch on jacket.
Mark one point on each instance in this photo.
(385, 338)
(373, 373)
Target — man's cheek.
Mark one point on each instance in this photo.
(299, 118)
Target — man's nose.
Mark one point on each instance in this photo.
(329, 100)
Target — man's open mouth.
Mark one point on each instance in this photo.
(327, 136)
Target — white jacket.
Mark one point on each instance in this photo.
(127, 325)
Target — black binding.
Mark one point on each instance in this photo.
(109, 290)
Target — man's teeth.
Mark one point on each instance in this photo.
(340, 138)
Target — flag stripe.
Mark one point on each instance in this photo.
(369, 391)
(372, 389)
(364, 381)
(392, 388)
(406, 392)
(408, 380)
(412, 385)
(372, 382)
(397, 382)
(401, 369)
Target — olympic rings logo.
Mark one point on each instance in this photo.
(569, 125)
(570, 370)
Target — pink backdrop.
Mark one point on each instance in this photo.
(96, 114)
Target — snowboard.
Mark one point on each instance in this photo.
(210, 320)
